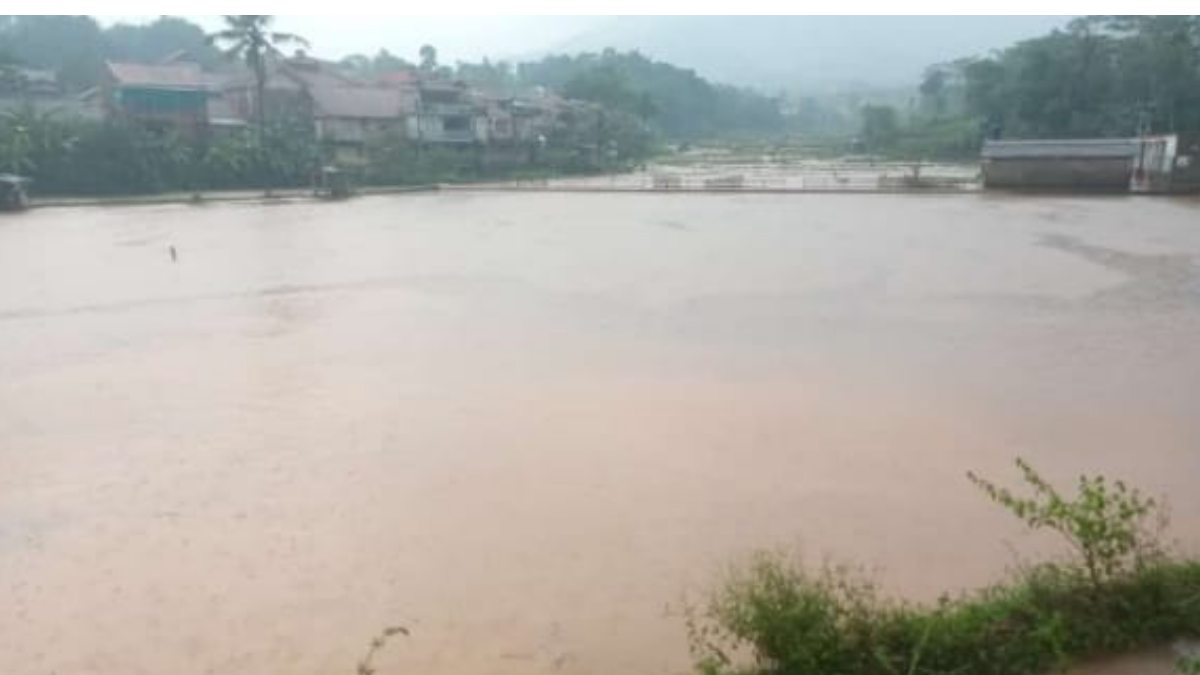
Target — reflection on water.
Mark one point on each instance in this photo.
(529, 426)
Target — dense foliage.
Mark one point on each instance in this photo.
(76, 46)
(1121, 593)
(1100, 77)
(1103, 76)
(676, 101)
(70, 156)
(80, 157)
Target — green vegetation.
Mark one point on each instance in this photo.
(71, 156)
(1101, 77)
(676, 101)
(1121, 592)
(76, 47)
(78, 157)
(249, 38)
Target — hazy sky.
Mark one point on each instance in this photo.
(773, 53)
(466, 38)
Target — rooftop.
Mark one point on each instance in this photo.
(359, 102)
(1060, 148)
(179, 75)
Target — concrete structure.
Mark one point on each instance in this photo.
(1092, 164)
(448, 113)
(1145, 164)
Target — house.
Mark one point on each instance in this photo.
(348, 118)
(158, 96)
(498, 118)
(448, 113)
(345, 113)
(40, 91)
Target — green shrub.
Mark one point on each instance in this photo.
(1105, 524)
(789, 621)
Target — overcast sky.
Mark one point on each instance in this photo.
(467, 38)
(773, 53)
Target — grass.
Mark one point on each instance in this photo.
(1121, 594)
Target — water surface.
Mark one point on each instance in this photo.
(528, 426)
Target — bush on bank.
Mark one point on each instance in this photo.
(1120, 594)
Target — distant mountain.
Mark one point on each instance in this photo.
(810, 52)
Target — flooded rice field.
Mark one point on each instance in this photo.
(529, 427)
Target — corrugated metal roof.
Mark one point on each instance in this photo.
(360, 102)
(398, 77)
(160, 76)
(1060, 148)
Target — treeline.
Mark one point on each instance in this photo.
(1101, 76)
(639, 103)
(75, 47)
(675, 102)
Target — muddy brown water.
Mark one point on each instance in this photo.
(528, 426)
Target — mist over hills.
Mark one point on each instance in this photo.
(809, 52)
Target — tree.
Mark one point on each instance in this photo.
(428, 58)
(356, 64)
(879, 126)
(386, 62)
(679, 102)
(248, 37)
(1108, 524)
(933, 90)
(609, 87)
(1101, 76)
(366, 66)
(72, 46)
(152, 42)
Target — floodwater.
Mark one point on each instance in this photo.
(528, 427)
(767, 173)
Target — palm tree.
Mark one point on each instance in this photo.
(247, 37)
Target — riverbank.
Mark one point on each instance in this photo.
(280, 195)
(677, 174)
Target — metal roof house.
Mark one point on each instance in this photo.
(1089, 164)
(170, 95)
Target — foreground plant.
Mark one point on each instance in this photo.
(1106, 523)
(1122, 593)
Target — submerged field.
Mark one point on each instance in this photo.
(528, 426)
